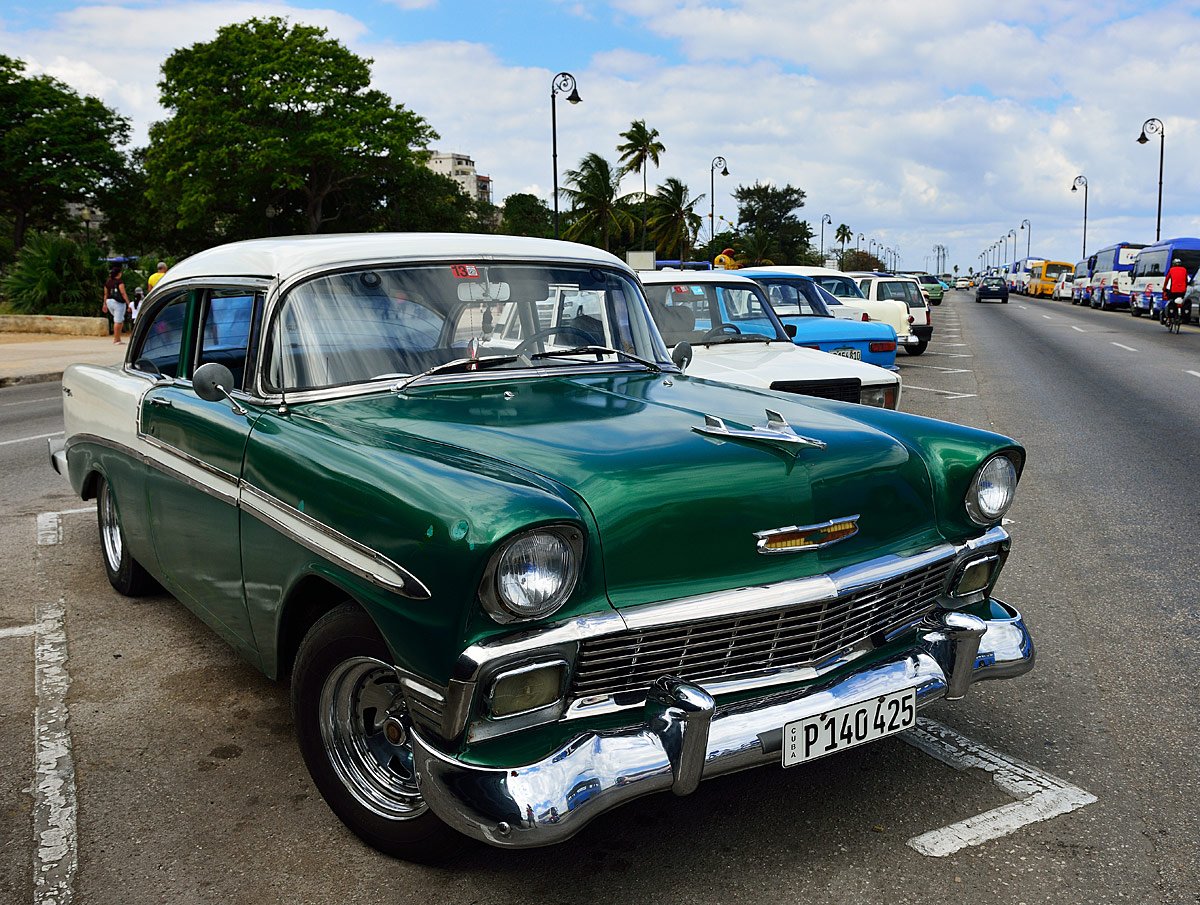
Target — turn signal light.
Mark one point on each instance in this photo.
(975, 577)
(883, 347)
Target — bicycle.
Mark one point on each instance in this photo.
(1172, 316)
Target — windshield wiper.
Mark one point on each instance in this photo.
(597, 350)
(741, 338)
(459, 364)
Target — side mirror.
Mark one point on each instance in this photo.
(214, 382)
(790, 330)
(682, 355)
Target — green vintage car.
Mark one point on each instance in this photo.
(520, 568)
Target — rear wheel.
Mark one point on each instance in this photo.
(918, 348)
(355, 736)
(124, 572)
(1135, 310)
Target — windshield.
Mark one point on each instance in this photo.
(795, 298)
(712, 313)
(842, 287)
(1053, 270)
(903, 290)
(388, 323)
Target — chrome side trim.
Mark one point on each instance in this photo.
(224, 494)
(326, 541)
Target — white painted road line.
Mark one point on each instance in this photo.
(1080, 329)
(49, 525)
(56, 853)
(27, 439)
(1047, 317)
(949, 394)
(17, 631)
(1193, 373)
(944, 370)
(30, 401)
(1126, 348)
(1039, 795)
(951, 354)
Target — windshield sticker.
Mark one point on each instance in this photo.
(465, 271)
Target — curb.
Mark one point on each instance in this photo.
(19, 379)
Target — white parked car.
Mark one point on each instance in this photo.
(907, 291)
(844, 288)
(1064, 286)
(736, 337)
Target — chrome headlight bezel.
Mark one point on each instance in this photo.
(491, 593)
(976, 510)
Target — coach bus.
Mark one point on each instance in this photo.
(1080, 290)
(1152, 265)
(1018, 273)
(1112, 275)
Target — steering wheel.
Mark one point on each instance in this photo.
(721, 330)
(527, 343)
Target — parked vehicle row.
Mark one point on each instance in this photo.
(520, 564)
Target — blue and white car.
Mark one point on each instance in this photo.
(804, 308)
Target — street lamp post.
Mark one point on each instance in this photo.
(712, 193)
(858, 242)
(564, 81)
(1004, 252)
(825, 218)
(1013, 233)
(1026, 225)
(1155, 127)
(1082, 181)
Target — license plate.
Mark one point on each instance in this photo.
(847, 352)
(846, 727)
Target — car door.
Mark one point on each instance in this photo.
(200, 445)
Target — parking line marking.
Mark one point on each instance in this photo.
(17, 631)
(939, 368)
(1039, 795)
(1023, 307)
(49, 525)
(1193, 373)
(1126, 348)
(27, 439)
(940, 343)
(951, 354)
(1048, 317)
(56, 854)
(1080, 329)
(30, 401)
(949, 394)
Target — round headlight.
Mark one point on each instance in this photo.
(532, 575)
(992, 490)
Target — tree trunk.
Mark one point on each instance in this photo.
(20, 222)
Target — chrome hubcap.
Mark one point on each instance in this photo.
(110, 529)
(363, 726)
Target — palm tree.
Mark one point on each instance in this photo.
(597, 210)
(672, 220)
(641, 147)
(843, 234)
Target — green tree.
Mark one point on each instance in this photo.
(55, 147)
(55, 275)
(843, 234)
(526, 215)
(856, 259)
(673, 221)
(598, 212)
(275, 128)
(770, 210)
(640, 148)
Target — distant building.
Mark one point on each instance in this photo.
(461, 169)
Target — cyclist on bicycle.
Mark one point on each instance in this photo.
(1175, 287)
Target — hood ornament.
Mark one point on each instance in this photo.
(777, 434)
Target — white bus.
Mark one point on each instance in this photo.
(1112, 275)
(1018, 274)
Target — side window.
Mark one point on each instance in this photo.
(163, 340)
(225, 336)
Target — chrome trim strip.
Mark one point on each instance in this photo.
(764, 537)
(348, 553)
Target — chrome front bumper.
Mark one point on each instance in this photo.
(686, 737)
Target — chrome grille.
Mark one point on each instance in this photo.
(739, 646)
(843, 389)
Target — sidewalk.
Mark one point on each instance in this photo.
(39, 358)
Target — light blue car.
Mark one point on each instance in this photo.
(804, 307)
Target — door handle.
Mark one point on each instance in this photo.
(160, 400)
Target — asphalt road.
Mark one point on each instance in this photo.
(190, 787)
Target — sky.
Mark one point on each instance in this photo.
(915, 122)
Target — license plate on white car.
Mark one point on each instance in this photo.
(846, 727)
(848, 352)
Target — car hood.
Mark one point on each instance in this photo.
(835, 330)
(676, 511)
(762, 364)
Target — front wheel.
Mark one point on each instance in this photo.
(918, 348)
(124, 572)
(1135, 310)
(354, 734)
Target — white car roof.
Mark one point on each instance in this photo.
(658, 277)
(287, 256)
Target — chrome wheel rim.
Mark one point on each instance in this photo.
(110, 529)
(357, 699)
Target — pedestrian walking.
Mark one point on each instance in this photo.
(136, 304)
(116, 301)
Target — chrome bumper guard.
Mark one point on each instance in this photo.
(686, 737)
(58, 455)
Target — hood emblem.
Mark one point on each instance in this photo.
(799, 538)
(777, 433)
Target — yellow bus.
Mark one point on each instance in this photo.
(1044, 274)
